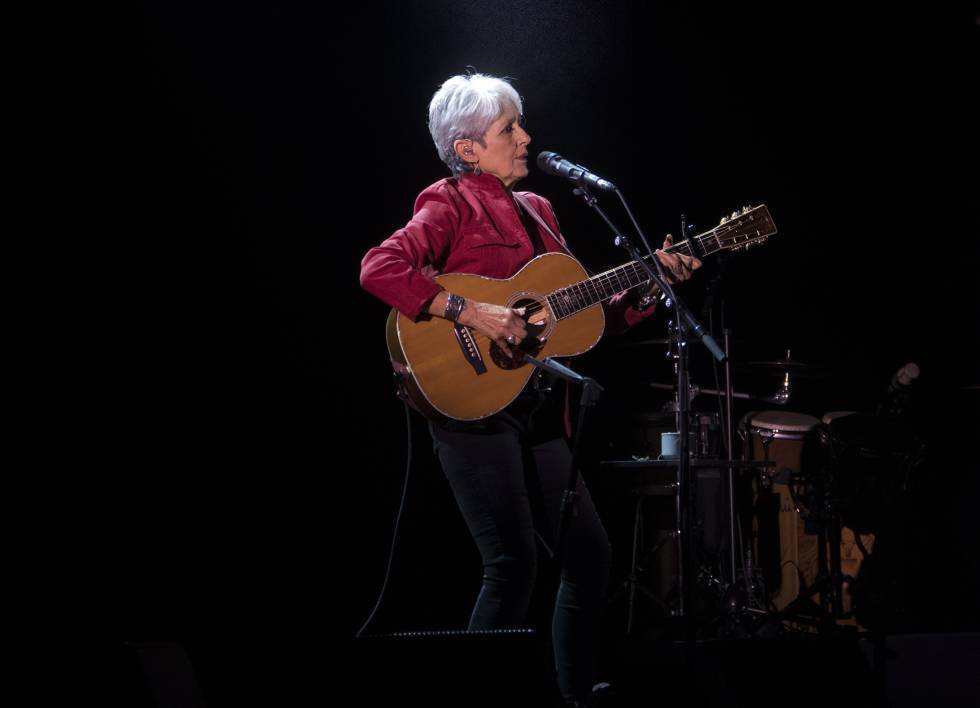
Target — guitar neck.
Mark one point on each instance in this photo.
(739, 231)
(576, 297)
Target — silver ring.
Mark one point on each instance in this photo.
(511, 339)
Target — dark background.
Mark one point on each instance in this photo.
(281, 143)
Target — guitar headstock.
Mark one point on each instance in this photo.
(745, 228)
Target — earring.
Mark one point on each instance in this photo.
(476, 167)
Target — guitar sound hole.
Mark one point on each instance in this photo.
(530, 344)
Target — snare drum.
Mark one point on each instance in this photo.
(783, 550)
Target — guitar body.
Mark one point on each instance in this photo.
(453, 372)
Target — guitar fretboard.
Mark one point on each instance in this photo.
(576, 297)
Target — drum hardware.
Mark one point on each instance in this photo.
(780, 397)
(740, 587)
(782, 367)
(650, 479)
(648, 342)
(746, 603)
(696, 391)
(835, 476)
(743, 590)
(792, 570)
(824, 521)
(697, 435)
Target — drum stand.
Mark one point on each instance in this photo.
(746, 603)
(641, 558)
(738, 589)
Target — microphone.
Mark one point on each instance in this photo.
(554, 164)
(903, 377)
(893, 402)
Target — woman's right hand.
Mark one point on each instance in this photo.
(504, 325)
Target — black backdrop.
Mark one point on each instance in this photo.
(281, 143)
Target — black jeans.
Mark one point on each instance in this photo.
(505, 472)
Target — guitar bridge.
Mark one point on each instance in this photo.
(471, 352)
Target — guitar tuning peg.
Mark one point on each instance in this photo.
(745, 209)
(723, 219)
(735, 214)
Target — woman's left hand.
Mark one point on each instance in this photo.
(678, 266)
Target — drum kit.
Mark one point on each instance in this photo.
(782, 547)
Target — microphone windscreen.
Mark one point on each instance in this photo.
(544, 158)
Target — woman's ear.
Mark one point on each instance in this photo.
(464, 148)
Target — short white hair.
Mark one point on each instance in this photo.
(463, 108)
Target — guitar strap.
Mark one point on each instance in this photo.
(525, 204)
(542, 382)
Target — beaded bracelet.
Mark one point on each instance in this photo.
(454, 306)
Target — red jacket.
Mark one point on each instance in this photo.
(470, 225)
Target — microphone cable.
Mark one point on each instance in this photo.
(398, 519)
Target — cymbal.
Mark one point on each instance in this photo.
(780, 367)
(778, 364)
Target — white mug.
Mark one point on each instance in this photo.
(670, 446)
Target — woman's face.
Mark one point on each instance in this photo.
(505, 155)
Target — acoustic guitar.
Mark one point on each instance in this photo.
(448, 370)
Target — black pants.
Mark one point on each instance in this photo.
(505, 472)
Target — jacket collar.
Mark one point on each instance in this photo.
(484, 182)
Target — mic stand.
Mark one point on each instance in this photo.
(743, 602)
(730, 455)
(686, 323)
(590, 396)
(728, 426)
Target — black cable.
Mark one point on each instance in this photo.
(656, 261)
(636, 225)
(398, 519)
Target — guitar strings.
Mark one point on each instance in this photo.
(613, 277)
(603, 279)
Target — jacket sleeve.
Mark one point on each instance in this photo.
(621, 315)
(400, 270)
